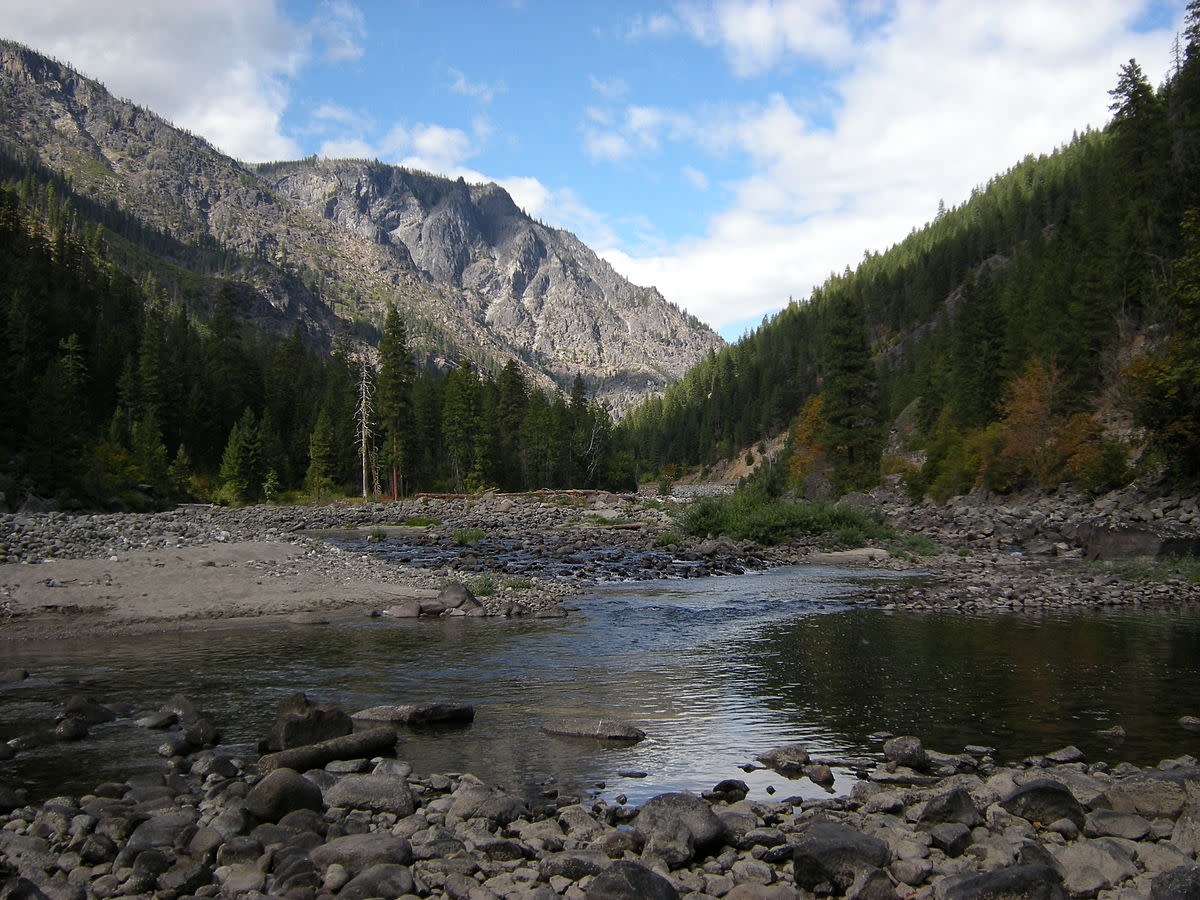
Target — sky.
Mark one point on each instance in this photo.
(732, 153)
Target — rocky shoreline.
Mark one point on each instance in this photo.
(980, 554)
(351, 821)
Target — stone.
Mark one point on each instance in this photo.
(299, 722)
(952, 806)
(872, 885)
(480, 801)
(70, 729)
(906, 750)
(677, 825)
(1189, 723)
(380, 880)
(409, 609)
(457, 596)
(1096, 865)
(600, 729)
(87, 711)
(358, 852)
(573, 864)
(837, 854)
(952, 838)
(790, 759)
(377, 793)
(280, 792)
(1110, 823)
(1071, 754)
(1182, 883)
(1035, 882)
(1186, 832)
(763, 892)
(161, 830)
(438, 713)
(629, 880)
(1153, 794)
(1044, 801)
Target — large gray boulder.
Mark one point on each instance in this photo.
(1044, 801)
(952, 806)
(281, 792)
(376, 793)
(473, 800)
(299, 721)
(1034, 882)
(442, 712)
(906, 750)
(1180, 883)
(380, 880)
(677, 827)
(837, 854)
(601, 729)
(790, 759)
(358, 852)
(629, 880)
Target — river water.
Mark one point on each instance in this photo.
(715, 670)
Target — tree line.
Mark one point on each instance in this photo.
(1045, 330)
(114, 394)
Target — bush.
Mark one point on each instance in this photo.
(919, 544)
(468, 537)
(750, 514)
(669, 539)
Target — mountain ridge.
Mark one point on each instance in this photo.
(330, 243)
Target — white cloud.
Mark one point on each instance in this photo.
(609, 89)
(342, 28)
(948, 94)
(695, 178)
(481, 91)
(606, 145)
(216, 67)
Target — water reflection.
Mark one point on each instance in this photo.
(715, 670)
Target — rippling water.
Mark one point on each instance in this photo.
(715, 670)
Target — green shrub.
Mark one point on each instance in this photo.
(376, 535)
(517, 582)
(468, 537)
(482, 586)
(919, 544)
(751, 514)
(669, 539)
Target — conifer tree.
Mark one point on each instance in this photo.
(321, 455)
(241, 474)
(851, 436)
(394, 400)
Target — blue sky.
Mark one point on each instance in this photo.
(731, 152)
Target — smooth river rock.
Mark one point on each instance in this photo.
(602, 729)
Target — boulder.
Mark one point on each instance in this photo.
(410, 609)
(1092, 866)
(601, 729)
(70, 729)
(359, 852)
(1156, 794)
(629, 880)
(838, 854)
(1110, 823)
(457, 596)
(87, 711)
(435, 713)
(1033, 882)
(379, 880)
(474, 800)
(1186, 834)
(952, 806)
(906, 750)
(790, 759)
(299, 722)
(1181, 883)
(677, 826)
(573, 864)
(376, 793)
(280, 792)
(1044, 801)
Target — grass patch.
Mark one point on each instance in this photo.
(1172, 568)
(375, 535)
(919, 545)
(669, 539)
(468, 537)
(751, 514)
(420, 522)
(516, 583)
(482, 585)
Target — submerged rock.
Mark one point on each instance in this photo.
(602, 729)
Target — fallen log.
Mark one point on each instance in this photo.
(373, 742)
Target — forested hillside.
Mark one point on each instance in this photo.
(1046, 330)
(114, 396)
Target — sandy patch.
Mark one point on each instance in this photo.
(155, 590)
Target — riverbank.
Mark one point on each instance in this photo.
(196, 565)
(348, 824)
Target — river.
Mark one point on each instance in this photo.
(715, 670)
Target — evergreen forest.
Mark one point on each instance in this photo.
(116, 395)
(1046, 330)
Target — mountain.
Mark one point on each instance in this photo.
(1047, 330)
(327, 244)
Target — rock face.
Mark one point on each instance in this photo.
(312, 238)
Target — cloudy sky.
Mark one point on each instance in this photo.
(731, 152)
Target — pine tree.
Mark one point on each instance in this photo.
(321, 455)
(394, 400)
(241, 474)
(460, 412)
(851, 436)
